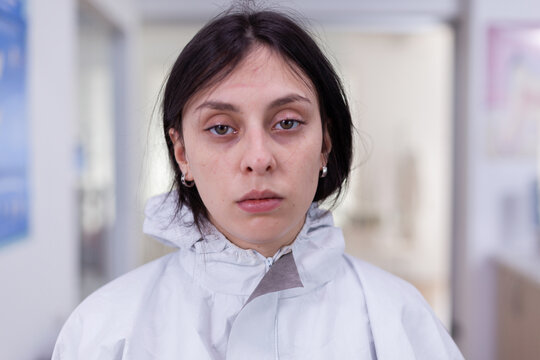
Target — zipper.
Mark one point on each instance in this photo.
(269, 263)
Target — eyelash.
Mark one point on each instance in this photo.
(231, 130)
(213, 130)
(295, 122)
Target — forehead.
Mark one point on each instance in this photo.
(265, 64)
(262, 70)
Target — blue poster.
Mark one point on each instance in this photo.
(14, 138)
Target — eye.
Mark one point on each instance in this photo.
(221, 130)
(287, 124)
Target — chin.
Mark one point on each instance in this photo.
(268, 232)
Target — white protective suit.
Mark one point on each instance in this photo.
(213, 300)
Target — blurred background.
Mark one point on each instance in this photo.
(446, 99)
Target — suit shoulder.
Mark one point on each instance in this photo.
(106, 316)
(123, 296)
(375, 279)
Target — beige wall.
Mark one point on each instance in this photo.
(397, 213)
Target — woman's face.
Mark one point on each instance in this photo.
(253, 145)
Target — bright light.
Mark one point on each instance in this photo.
(534, 36)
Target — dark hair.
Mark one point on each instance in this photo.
(219, 47)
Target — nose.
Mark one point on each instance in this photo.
(258, 156)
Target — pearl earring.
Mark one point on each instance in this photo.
(324, 172)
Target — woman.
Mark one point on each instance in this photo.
(259, 132)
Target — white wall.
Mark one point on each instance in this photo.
(319, 10)
(482, 182)
(39, 274)
(123, 251)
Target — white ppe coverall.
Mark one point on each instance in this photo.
(214, 300)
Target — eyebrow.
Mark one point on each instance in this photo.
(223, 106)
(288, 99)
(218, 105)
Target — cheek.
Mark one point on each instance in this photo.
(210, 170)
(305, 164)
(212, 173)
(307, 154)
(204, 162)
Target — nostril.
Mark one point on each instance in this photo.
(258, 163)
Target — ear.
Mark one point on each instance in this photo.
(326, 146)
(180, 153)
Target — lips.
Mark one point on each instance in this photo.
(260, 195)
(260, 201)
